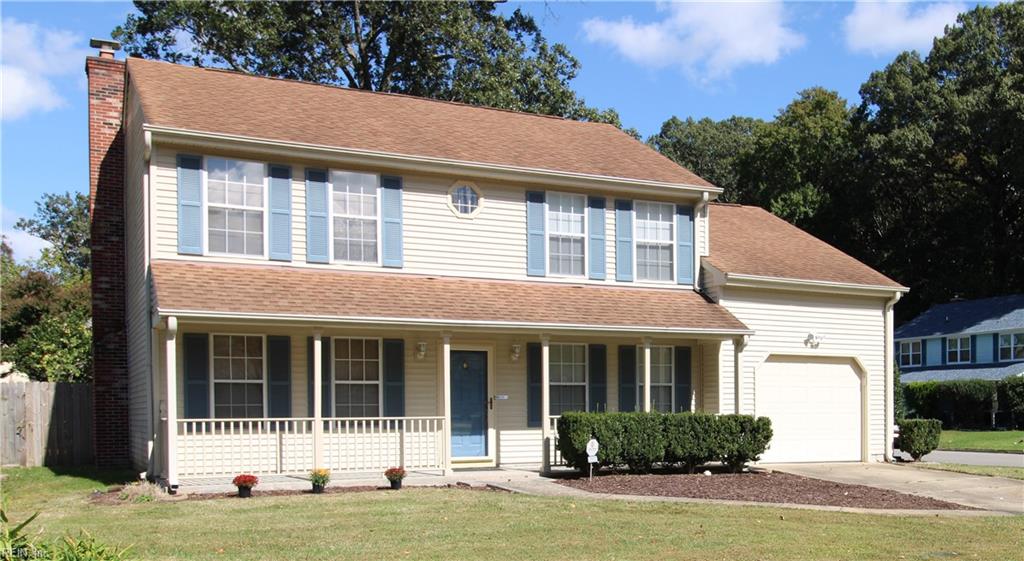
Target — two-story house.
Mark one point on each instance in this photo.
(962, 340)
(318, 276)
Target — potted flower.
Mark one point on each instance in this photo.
(245, 482)
(395, 475)
(319, 478)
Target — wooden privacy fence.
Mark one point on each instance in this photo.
(43, 423)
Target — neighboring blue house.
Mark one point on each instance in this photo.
(972, 339)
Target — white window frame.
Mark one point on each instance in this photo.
(959, 348)
(380, 376)
(909, 353)
(640, 376)
(1014, 336)
(479, 199)
(586, 374)
(331, 215)
(673, 244)
(206, 210)
(214, 381)
(548, 233)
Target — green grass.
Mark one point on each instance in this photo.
(457, 524)
(996, 440)
(1011, 472)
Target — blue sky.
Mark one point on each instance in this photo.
(649, 61)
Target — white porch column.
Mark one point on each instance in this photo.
(545, 403)
(171, 379)
(446, 399)
(737, 371)
(647, 376)
(318, 414)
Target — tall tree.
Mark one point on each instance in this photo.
(457, 51)
(62, 220)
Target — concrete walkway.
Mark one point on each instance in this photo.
(989, 493)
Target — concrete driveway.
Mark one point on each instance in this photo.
(989, 493)
(972, 458)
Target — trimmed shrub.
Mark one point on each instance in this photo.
(957, 403)
(743, 439)
(692, 439)
(1011, 400)
(643, 439)
(918, 437)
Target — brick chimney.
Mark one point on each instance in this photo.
(106, 210)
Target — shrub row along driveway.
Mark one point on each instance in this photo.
(757, 487)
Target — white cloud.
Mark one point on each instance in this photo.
(880, 28)
(31, 57)
(25, 245)
(708, 41)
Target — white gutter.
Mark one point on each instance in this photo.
(278, 148)
(428, 323)
(782, 283)
(889, 397)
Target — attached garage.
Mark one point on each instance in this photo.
(816, 408)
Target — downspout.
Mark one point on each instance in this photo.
(890, 421)
(699, 214)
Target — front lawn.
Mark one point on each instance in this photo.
(458, 524)
(1011, 472)
(990, 441)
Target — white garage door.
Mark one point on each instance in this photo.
(815, 408)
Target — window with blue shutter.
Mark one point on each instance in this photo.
(534, 364)
(596, 223)
(190, 204)
(394, 377)
(627, 378)
(623, 240)
(280, 187)
(536, 260)
(391, 220)
(683, 380)
(684, 244)
(597, 378)
(196, 366)
(279, 376)
(317, 221)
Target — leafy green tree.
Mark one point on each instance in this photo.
(709, 148)
(456, 51)
(62, 220)
(57, 349)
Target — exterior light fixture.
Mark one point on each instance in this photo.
(514, 355)
(421, 350)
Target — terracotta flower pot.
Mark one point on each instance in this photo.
(245, 492)
(396, 484)
(318, 488)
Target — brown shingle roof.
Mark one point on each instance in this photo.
(749, 240)
(268, 289)
(218, 101)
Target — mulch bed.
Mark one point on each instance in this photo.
(758, 487)
(112, 496)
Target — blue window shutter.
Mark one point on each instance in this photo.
(597, 377)
(995, 347)
(974, 348)
(391, 220)
(684, 244)
(536, 222)
(196, 364)
(924, 352)
(394, 377)
(623, 240)
(280, 196)
(596, 249)
(325, 378)
(627, 378)
(279, 376)
(190, 204)
(683, 379)
(534, 365)
(944, 353)
(317, 218)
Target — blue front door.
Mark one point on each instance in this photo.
(469, 404)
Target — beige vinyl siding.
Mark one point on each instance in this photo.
(436, 241)
(137, 286)
(709, 372)
(852, 327)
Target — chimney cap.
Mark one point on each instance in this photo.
(106, 46)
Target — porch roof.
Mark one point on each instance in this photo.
(217, 290)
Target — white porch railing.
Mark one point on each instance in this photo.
(264, 446)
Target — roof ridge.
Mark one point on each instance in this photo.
(373, 92)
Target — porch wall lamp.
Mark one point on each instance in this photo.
(514, 355)
(421, 350)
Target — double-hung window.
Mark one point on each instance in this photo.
(355, 210)
(568, 378)
(958, 350)
(1011, 346)
(566, 233)
(235, 207)
(910, 353)
(662, 379)
(654, 241)
(239, 372)
(357, 376)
